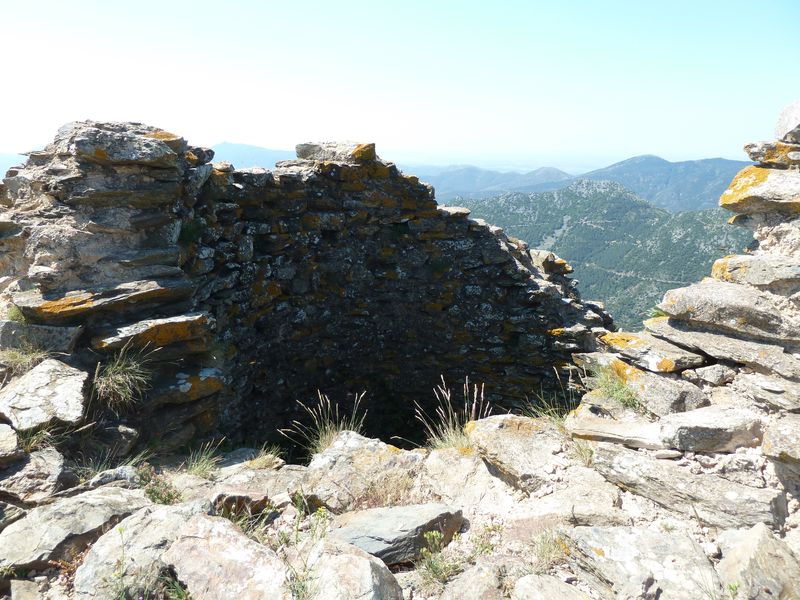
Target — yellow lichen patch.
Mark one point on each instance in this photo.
(201, 387)
(162, 135)
(557, 332)
(666, 365)
(100, 154)
(67, 306)
(598, 551)
(364, 152)
(719, 270)
(740, 190)
(622, 339)
(170, 333)
(624, 371)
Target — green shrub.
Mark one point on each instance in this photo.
(156, 486)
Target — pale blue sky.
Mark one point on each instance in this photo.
(499, 84)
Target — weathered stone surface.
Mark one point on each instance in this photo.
(586, 422)
(396, 534)
(631, 562)
(8, 514)
(715, 501)
(53, 339)
(774, 154)
(545, 587)
(51, 391)
(520, 448)
(187, 385)
(760, 567)
(773, 272)
(341, 571)
(140, 541)
(352, 465)
(9, 445)
(763, 357)
(775, 392)
(659, 394)
(34, 478)
(214, 559)
(788, 125)
(782, 439)
(756, 189)
(158, 333)
(22, 589)
(49, 532)
(740, 309)
(651, 353)
(79, 304)
(333, 151)
(712, 375)
(464, 480)
(483, 581)
(712, 429)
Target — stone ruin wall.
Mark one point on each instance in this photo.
(333, 272)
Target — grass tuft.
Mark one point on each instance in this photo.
(326, 423)
(86, 467)
(22, 359)
(611, 386)
(549, 550)
(120, 383)
(203, 461)
(268, 457)
(435, 567)
(445, 428)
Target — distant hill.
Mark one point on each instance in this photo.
(10, 160)
(243, 156)
(674, 186)
(625, 251)
(469, 181)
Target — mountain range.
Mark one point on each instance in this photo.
(624, 249)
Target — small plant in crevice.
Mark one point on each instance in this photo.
(204, 460)
(656, 312)
(268, 457)
(156, 487)
(445, 428)
(609, 383)
(86, 466)
(554, 406)
(549, 550)
(327, 421)
(122, 379)
(35, 439)
(22, 359)
(436, 567)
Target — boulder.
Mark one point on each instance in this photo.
(711, 429)
(482, 581)
(590, 423)
(710, 499)
(758, 190)
(777, 154)
(782, 439)
(545, 587)
(773, 272)
(35, 478)
(341, 572)
(129, 555)
(651, 353)
(396, 534)
(774, 392)
(336, 151)
(760, 567)
(213, 559)
(519, 448)
(632, 562)
(51, 391)
(743, 310)
(118, 143)
(53, 339)
(54, 531)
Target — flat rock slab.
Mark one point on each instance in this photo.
(782, 439)
(774, 392)
(341, 571)
(214, 559)
(545, 587)
(336, 151)
(651, 353)
(157, 333)
(631, 562)
(712, 429)
(520, 448)
(54, 339)
(715, 501)
(774, 272)
(396, 534)
(743, 310)
(659, 394)
(106, 144)
(141, 540)
(761, 567)
(762, 356)
(33, 478)
(590, 423)
(81, 304)
(51, 391)
(774, 154)
(9, 446)
(759, 190)
(189, 385)
(50, 532)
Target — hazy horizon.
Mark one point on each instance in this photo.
(515, 85)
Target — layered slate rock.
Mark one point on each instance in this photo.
(333, 272)
(651, 353)
(51, 391)
(33, 478)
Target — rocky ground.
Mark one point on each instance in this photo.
(677, 476)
